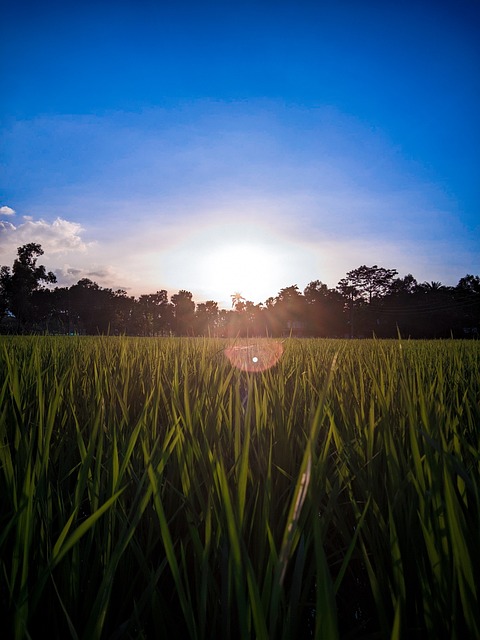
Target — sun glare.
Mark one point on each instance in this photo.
(259, 355)
(247, 268)
(220, 259)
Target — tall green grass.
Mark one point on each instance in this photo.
(149, 489)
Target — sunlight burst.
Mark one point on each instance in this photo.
(245, 268)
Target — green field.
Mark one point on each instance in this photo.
(150, 489)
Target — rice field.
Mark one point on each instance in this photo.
(152, 488)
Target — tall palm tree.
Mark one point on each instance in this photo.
(237, 298)
(433, 286)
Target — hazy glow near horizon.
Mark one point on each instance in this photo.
(224, 258)
(249, 269)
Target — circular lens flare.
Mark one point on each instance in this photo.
(254, 356)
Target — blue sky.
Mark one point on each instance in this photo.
(224, 146)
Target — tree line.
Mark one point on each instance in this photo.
(370, 300)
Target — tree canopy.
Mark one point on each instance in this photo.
(370, 300)
(18, 285)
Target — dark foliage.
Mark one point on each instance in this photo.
(368, 301)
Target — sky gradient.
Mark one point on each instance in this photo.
(241, 146)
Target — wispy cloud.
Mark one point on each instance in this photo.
(7, 211)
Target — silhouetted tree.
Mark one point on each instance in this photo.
(18, 284)
(432, 286)
(122, 312)
(288, 313)
(469, 284)
(183, 313)
(362, 289)
(324, 311)
(51, 309)
(398, 311)
(435, 309)
(368, 282)
(248, 319)
(92, 309)
(223, 322)
(206, 318)
(237, 299)
(368, 299)
(427, 310)
(255, 319)
(272, 323)
(405, 285)
(154, 314)
(467, 297)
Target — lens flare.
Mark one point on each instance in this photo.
(255, 356)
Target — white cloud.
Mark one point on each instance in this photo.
(57, 237)
(106, 263)
(7, 211)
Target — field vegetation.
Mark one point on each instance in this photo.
(149, 488)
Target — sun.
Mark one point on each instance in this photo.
(249, 269)
(216, 260)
